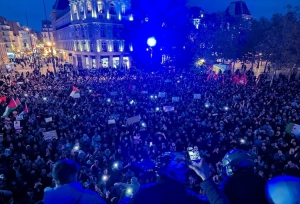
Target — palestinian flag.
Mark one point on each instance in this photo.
(10, 107)
(75, 93)
(293, 128)
(18, 102)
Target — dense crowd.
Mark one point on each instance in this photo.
(117, 155)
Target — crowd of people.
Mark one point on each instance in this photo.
(116, 156)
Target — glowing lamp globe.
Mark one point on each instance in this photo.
(151, 42)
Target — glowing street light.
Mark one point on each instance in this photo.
(151, 42)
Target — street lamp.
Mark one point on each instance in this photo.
(52, 54)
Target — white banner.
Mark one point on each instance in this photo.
(110, 122)
(50, 135)
(48, 120)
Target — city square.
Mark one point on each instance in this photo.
(138, 101)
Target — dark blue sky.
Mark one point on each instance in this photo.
(15, 9)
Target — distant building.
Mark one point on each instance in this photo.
(87, 33)
(195, 15)
(239, 9)
(3, 54)
(45, 33)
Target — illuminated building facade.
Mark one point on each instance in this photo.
(88, 33)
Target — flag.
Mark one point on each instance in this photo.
(10, 107)
(75, 93)
(236, 78)
(215, 76)
(243, 80)
(2, 99)
(18, 102)
(293, 128)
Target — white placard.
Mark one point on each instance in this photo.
(48, 120)
(161, 94)
(50, 135)
(175, 99)
(17, 124)
(110, 122)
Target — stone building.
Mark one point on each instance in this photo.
(88, 33)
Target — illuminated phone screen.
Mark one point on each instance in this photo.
(194, 154)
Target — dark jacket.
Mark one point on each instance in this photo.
(214, 194)
(244, 188)
(166, 191)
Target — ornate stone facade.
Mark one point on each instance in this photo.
(87, 33)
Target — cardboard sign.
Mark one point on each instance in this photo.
(132, 120)
(110, 122)
(161, 94)
(48, 120)
(50, 135)
(17, 125)
(197, 96)
(175, 99)
(168, 108)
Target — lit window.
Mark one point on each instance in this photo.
(102, 32)
(89, 6)
(116, 46)
(74, 9)
(123, 9)
(104, 46)
(81, 8)
(100, 7)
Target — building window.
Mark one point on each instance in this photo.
(115, 32)
(123, 9)
(81, 9)
(89, 6)
(116, 46)
(112, 9)
(75, 9)
(102, 32)
(104, 46)
(100, 6)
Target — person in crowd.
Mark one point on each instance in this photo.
(241, 185)
(67, 189)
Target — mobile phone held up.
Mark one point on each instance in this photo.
(194, 154)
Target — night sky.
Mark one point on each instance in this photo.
(15, 9)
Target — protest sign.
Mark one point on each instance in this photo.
(50, 135)
(168, 81)
(197, 96)
(132, 120)
(144, 92)
(17, 124)
(48, 120)
(161, 94)
(110, 122)
(168, 108)
(20, 117)
(175, 99)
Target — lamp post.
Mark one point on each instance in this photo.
(51, 47)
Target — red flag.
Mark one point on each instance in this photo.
(236, 79)
(25, 109)
(243, 80)
(209, 77)
(2, 99)
(18, 102)
(215, 76)
(75, 89)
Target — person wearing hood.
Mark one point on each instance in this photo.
(67, 189)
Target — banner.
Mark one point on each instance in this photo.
(161, 94)
(17, 125)
(50, 135)
(132, 120)
(175, 99)
(114, 93)
(110, 122)
(48, 120)
(168, 108)
(20, 117)
(197, 96)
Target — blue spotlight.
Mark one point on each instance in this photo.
(151, 41)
